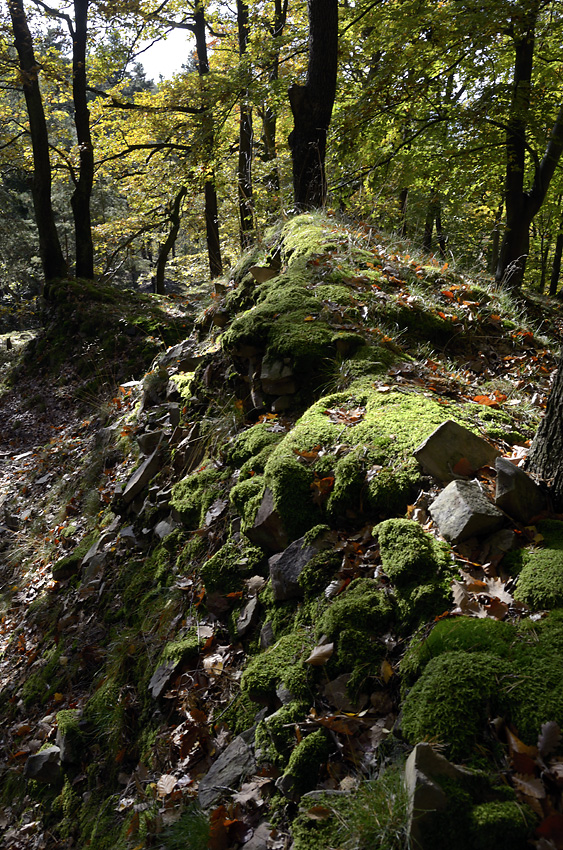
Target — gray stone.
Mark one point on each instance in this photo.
(260, 837)
(285, 386)
(516, 493)
(127, 536)
(268, 531)
(184, 356)
(277, 377)
(165, 527)
(283, 402)
(462, 510)
(141, 477)
(44, 766)
(247, 616)
(149, 441)
(449, 444)
(235, 763)
(287, 566)
(267, 637)
(423, 770)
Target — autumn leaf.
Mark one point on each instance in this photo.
(166, 784)
(319, 813)
(530, 786)
(549, 737)
(320, 655)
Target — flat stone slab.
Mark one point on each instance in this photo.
(236, 762)
(268, 531)
(44, 766)
(462, 510)
(141, 477)
(516, 493)
(452, 447)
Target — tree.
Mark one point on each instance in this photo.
(52, 259)
(244, 171)
(546, 453)
(312, 105)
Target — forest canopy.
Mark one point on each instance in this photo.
(447, 126)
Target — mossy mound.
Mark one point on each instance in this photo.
(408, 553)
(226, 569)
(281, 664)
(193, 496)
(473, 670)
(540, 583)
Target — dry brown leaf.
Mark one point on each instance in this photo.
(549, 738)
(495, 587)
(529, 786)
(320, 654)
(319, 813)
(166, 784)
(515, 745)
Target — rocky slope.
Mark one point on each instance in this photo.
(241, 605)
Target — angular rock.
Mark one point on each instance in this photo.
(268, 531)
(165, 527)
(287, 566)
(247, 616)
(184, 356)
(517, 493)
(423, 769)
(44, 766)
(462, 510)
(149, 441)
(260, 836)
(141, 477)
(236, 762)
(450, 446)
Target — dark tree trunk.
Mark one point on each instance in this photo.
(52, 258)
(211, 211)
(82, 194)
(544, 253)
(403, 198)
(244, 171)
(495, 242)
(546, 453)
(312, 104)
(269, 115)
(521, 205)
(432, 215)
(556, 264)
(440, 235)
(169, 242)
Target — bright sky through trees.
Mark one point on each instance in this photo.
(166, 57)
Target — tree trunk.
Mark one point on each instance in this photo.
(403, 198)
(556, 264)
(312, 104)
(269, 115)
(521, 205)
(244, 171)
(495, 242)
(82, 194)
(52, 258)
(210, 192)
(546, 453)
(169, 242)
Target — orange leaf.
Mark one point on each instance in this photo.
(463, 467)
(486, 400)
(447, 293)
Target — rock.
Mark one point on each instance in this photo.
(260, 836)
(423, 769)
(233, 764)
(283, 402)
(277, 377)
(165, 527)
(287, 566)
(149, 441)
(268, 531)
(516, 493)
(247, 616)
(44, 766)
(141, 477)
(462, 510)
(267, 637)
(128, 537)
(184, 356)
(452, 445)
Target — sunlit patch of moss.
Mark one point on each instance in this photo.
(250, 443)
(184, 382)
(362, 605)
(245, 497)
(225, 571)
(305, 763)
(275, 736)
(281, 664)
(408, 553)
(193, 496)
(540, 583)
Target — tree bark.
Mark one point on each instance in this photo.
(82, 194)
(52, 258)
(169, 242)
(312, 104)
(521, 205)
(546, 453)
(244, 171)
(210, 192)
(269, 115)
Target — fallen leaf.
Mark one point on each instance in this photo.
(320, 654)
(549, 738)
(166, 784)
(529, 786)
(319, 813)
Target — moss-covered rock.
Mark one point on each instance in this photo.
(226, 569)
(408, 553)
(363, 605)
(305, 764)
(453, 700)
(275, 736)
(281, 664)
(193, 496)
(540, 583)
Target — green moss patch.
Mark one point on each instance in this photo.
(280, 664)
(408, 553)
(193, 496)
(540, 583)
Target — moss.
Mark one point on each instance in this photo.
(70, 564)
(280, 664)
(363, 604)
(358, 654)
(275, 736)
(184, 382)
(182, 649)
(408, 553)
(245, 497)
(290, 483)
(421, 603)
(318, 571)
(310, 834)
(457, 634)
(501, 826)
(239, 715)
(305, 763)
(41, 686)
(251, 442)
(193, 496)
(225, 570)
(191, 830)
(453, 700)
(540, 583)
